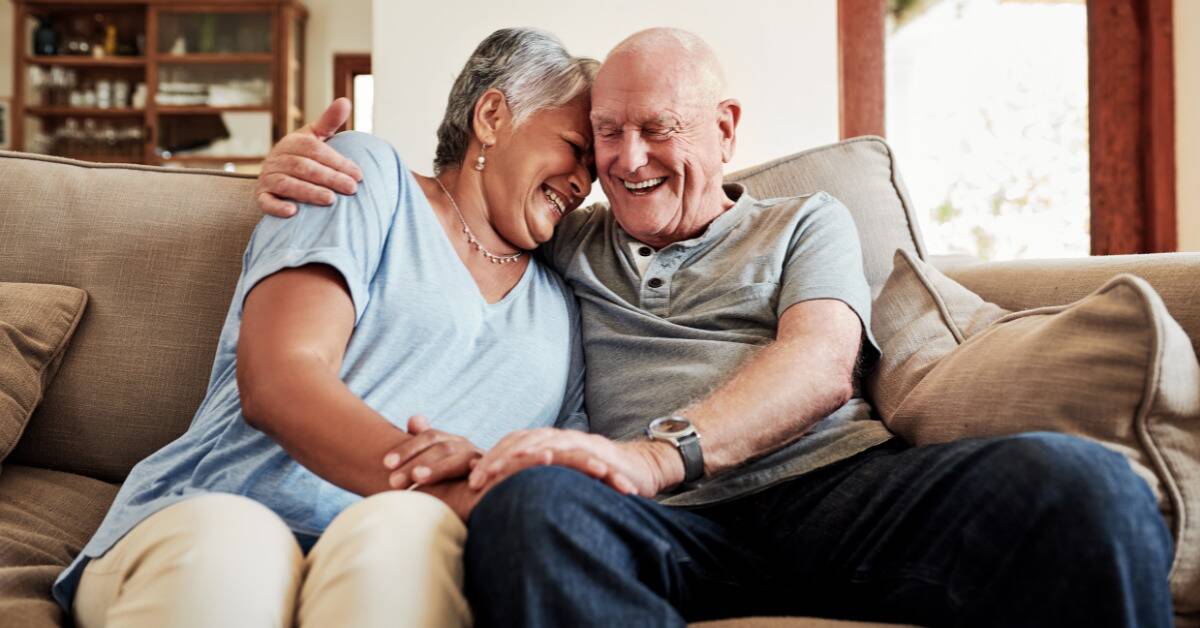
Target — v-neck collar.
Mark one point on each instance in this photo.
(462, 269)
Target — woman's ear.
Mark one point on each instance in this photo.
(492, 117)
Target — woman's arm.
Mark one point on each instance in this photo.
(295, 327)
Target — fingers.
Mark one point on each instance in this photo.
(495, 458)
(448, 468)
(578, 459)
(314, 172)
(404, 453)
(332, 118)
(271, 205)
(324, 153)
(428, 455)
(284, 185)
(418, 423)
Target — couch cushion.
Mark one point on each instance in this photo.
(918, 318)
(861, 173)
(1113, 367)
(36, 323)
(46, 517)
(158, 252)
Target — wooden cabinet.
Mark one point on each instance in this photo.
(162, 82)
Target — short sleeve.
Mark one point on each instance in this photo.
(349, 236)
(824, 261)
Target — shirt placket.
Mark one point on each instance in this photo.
(657, 280)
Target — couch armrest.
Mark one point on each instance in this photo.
(1025, 284)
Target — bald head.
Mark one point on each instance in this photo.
(671, 52)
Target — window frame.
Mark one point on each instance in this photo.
(346, 66)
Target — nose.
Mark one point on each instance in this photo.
(633, 153)
(580, 181)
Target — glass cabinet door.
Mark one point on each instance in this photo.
(189, 33)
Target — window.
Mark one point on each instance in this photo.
(987, 110)
(1130, 110)
(352, 78)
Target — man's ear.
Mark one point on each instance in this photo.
(492, 116)
(729, 112)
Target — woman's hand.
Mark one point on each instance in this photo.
(429, 457)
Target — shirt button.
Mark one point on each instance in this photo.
(655, 283)
(645, 251)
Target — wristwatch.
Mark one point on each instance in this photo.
(678, 431)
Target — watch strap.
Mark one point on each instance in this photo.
(693, 457)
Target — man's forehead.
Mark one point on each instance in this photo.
(636, 115)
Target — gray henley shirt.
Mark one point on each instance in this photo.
(658, 340)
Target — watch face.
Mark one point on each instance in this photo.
(672, 427)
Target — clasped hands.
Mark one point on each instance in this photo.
(453, 469)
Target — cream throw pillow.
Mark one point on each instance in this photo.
(1113, 367)
(36, 323)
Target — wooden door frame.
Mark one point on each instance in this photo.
(345, 67)
(1131, 113)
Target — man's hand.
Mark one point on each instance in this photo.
(644, 468)
(429, 457)
(303, 168)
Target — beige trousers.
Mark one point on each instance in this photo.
(393, 559)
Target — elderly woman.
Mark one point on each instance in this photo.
(414, 296)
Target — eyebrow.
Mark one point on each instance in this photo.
(659, 119)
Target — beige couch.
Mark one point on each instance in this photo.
(159, 250)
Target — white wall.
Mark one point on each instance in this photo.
(1187, 122)
(334, 26)
(780, 58)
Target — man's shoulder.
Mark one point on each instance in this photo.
(578, 226)
(819, 204)
(790, 216)
(591, 216)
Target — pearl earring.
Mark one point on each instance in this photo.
(481, 160)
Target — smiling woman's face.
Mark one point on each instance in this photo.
(538, 172)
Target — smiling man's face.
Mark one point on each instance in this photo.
(661, 138)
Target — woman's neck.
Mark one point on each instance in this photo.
(464, 190)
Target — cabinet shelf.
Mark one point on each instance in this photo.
(85, 112)
(203, 109)
(217, 58)
(85, 61)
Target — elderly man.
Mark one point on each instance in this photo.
(722, 336)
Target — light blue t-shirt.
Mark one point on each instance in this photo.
(424, 342)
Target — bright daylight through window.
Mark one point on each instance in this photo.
(987, 111)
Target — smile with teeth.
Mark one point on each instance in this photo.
(643, 187)
(557, 204)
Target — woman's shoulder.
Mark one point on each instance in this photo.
(369, 152)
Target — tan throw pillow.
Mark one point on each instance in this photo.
(36, 322)
(1113, 367)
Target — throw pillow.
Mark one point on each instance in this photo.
(1113, 367)
(36, 322)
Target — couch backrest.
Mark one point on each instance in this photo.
(159, 251)
(861, 173)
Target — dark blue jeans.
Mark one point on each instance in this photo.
(1031, 530)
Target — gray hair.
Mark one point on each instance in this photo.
(530, 67)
